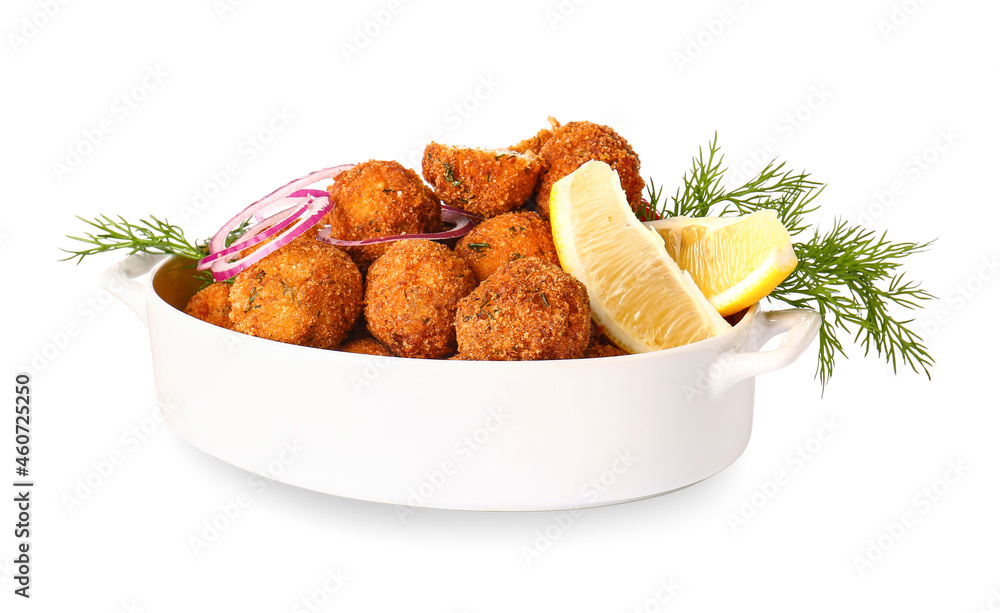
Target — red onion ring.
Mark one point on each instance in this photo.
(259, 233)
(222, 269)
(218, 242)
(277, 218)
(445, 207)
(305, 193)
(282, 220)
(462, 227)
(260, 217)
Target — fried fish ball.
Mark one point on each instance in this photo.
(360, 329)
(578, 142)
(482, 181)
(506, 238)
(411, 296)
(211, 304)
(602, 350)
(529, 309)
(534, 144)
(379, 198)
(305, 293)
(367, 346)
(600, 345)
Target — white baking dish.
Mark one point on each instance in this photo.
(454, 434)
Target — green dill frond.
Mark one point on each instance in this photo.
(148, 236)
(153, 235)
(788, 193)
(850, 275)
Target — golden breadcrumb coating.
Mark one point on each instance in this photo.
(368, 346)
(411, 296)
(506, 238)
(600, 345)
(534, 144)
(211, 304)
(306, 293)
(529, 309)
(360, 329)
(482, 181)
(602, 350)
(578, 142)
(379, 198)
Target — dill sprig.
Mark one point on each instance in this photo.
(850, 275)
(788, 193)
(153, 235)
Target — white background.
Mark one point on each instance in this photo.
(180, 88)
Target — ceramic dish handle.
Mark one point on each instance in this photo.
(800, 327)
(120, 280)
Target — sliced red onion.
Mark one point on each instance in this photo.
(275, 219)
(462, 227)
(222, 270)
(269, 212)
(305, 193)
(281, 219)
(261, 216)
(262, 206)
(445, 207)
(259, 233)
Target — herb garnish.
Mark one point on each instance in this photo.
(478, 246)
(449, 174)
(482, 308)
(253, 296)
(147, 236)
(151, 235)
(850, 275)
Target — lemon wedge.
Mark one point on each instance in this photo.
(638, 294)
(736, 261)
